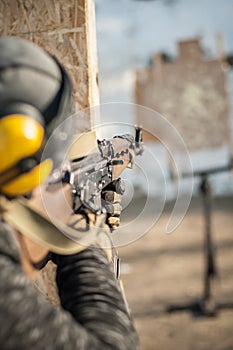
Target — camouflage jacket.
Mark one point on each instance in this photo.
(92, 315)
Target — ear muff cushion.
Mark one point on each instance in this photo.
(27, 182)
(21, 137)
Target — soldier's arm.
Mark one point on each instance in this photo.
(92, 313)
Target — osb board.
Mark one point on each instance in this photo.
(46, 285)
(66, 29)
(63, 28)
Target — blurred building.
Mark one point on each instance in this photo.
(191, 92)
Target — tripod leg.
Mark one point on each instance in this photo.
(209, 303)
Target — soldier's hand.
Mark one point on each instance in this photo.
(111, 201)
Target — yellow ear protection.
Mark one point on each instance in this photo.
(21, 145)
(23, 132)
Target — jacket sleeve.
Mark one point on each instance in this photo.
(92, 315)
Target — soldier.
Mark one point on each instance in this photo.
(35, 96)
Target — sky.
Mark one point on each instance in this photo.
(129, 32)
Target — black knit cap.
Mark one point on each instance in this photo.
(31, 78)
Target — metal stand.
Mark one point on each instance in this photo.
(206, 306)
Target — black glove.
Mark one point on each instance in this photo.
(111, 201)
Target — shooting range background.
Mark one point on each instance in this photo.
(159, 270)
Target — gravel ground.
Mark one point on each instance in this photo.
(159, 270)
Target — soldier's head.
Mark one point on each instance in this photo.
(35, 96)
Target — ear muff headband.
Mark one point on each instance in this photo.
(64, 96)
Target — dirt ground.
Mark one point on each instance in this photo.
(159, 270)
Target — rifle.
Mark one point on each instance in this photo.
(89, 175)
